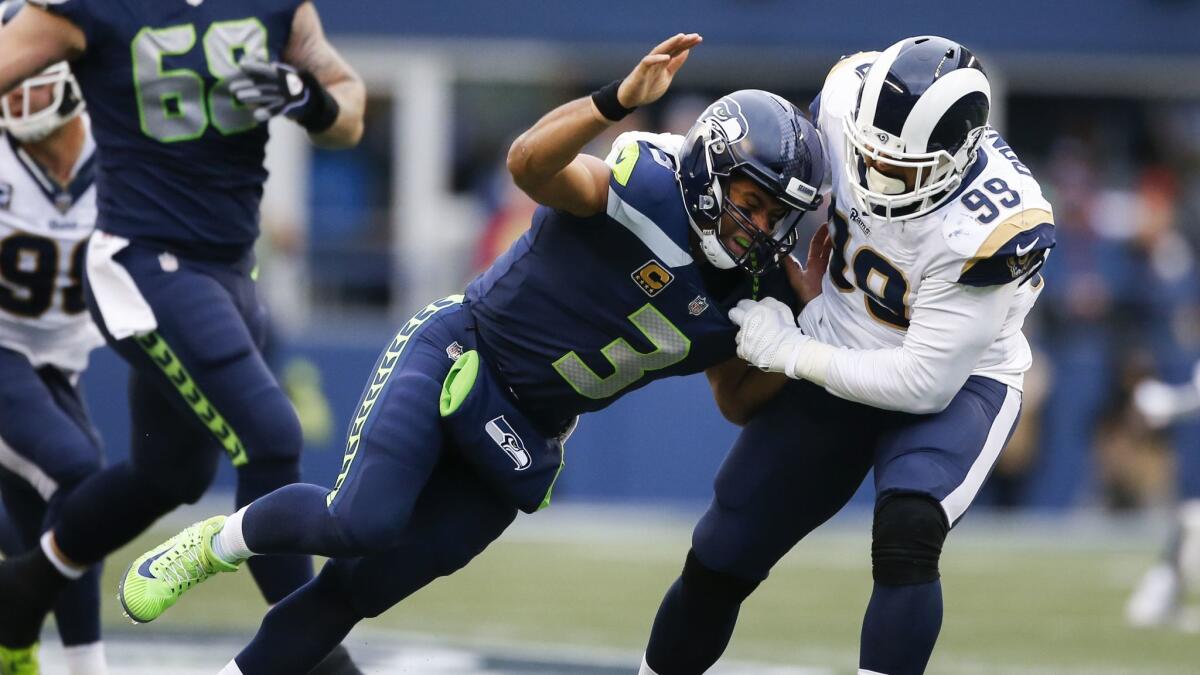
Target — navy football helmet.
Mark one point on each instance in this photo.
(32, 126)
(924, 105)
(763, 137)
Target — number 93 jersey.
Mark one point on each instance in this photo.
(43, 229)
(181, 162)
(995, 228)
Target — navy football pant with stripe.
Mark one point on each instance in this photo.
(795, 465)
(47, 447)
(405, 510)
(199, 390)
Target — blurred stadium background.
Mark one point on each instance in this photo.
(1101, 99)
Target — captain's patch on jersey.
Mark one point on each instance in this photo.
(652, 278)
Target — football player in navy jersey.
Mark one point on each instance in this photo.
(625, 277)
(179, 94)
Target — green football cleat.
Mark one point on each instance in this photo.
(23, 661)
(157, 579)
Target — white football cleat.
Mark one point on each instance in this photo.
(1157, 599)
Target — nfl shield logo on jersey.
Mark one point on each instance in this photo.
(697, 306)
(5, 195)
(508, 440)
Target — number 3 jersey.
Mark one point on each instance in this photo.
(181, 163)
(580, 311)
(995, 230)
(43, 229)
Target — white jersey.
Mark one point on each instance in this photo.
(43, 229)
(968, 270)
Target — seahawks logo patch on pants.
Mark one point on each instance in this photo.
(496, 438)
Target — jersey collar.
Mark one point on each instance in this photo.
(59, 196)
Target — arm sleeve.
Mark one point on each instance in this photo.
(952, 326)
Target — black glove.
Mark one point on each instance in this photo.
(278, 89)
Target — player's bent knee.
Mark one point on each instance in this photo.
(183, 486)
(702, 582)
(907, 540)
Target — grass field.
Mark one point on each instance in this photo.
(1021, 597)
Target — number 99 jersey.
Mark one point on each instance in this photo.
(181, 162)
(43, 230)
(994, 228)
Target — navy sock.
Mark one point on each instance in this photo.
(77, 612)
(276, 575)
(106, 511)
(292, 519)
(900, 628)
(300, 631)
(695, 620)
(29, 586)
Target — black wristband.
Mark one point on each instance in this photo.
(322, 110)
(608, 104)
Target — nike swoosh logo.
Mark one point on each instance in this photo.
(1022, 250)
(144, 568)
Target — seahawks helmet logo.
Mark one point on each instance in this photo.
(727, 114)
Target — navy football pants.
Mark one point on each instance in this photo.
(405, 510)
(199, 389)
(47, 447)
(797, 463)
(803, 456)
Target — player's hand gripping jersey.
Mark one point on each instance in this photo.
(942, 293)
(43, 228)
(582, 310)
(181, 162)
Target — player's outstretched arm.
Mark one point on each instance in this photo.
(952, 325)
(33, 41)
(545, 161)
(740, 389)
(310, 52)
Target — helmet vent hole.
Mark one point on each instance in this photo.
(921, 41)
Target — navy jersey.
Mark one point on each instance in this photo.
(180, 162)
(583, 310)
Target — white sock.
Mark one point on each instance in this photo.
(86, 659)
(64, 567)
(229, 545)
(231, 668)
(645, 669)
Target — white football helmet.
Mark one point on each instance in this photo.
(923, 105)
(31, 126)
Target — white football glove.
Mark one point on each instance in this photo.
(769, 337)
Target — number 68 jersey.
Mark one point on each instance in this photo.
(995, 229)
(43, 229)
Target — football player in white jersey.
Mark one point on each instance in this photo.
(910, 362)
(47, 443)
